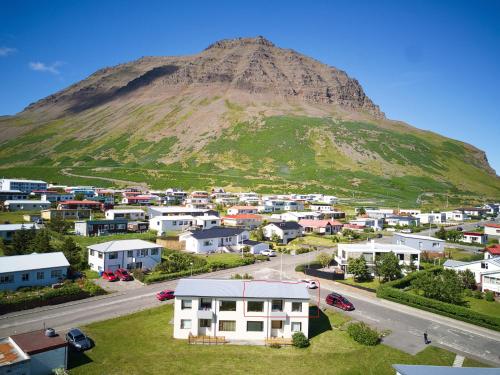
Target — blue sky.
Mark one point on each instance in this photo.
(433, 64)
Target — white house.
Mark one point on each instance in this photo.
(456, 215)
(26, 186)
(432, 217)
(474, 237)
(125, 213)
(56, 197)
(249, 198)
(286, 231)
(367, 222)
(207, 221)
(249, 221)
(486, 272)
(164, 224)
(302, 215)
(402, 221)
(7, 230)
(26, 205)
(492, 229)
(246, 310)
(321, 226)
(32, 270)
(129, 254)
(154, 211)
(236, 210)
(320, 207)
(424, 243)
(378, 213)
(371, 250)
(214, 239)
(409, 211)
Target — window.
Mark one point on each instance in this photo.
(186, 304)
(174, 222)
(25, 277)
(143, 252)
(185, 323)
(130, 254)
(205, 303)
(40, 275)
(207, 243)
(55, 274)
(414, 257)
(92, 252)
(435, 244)
(227, 306)
(113, 255)
(205, 323)
(154, 251)
(255, 326)
(120, 226)
(277, 305)
(99, 255)
(227, 325)
(297, 306)
(111, 226)
(296, 326)
(6, 279)
(276, 324)
(401, 256)
(255, 306)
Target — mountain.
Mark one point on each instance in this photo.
(245, 114)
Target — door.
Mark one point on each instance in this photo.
(204, 327)
(276, 328)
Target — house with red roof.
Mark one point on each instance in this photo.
(79, 205)
(492, 229)
(249, 221)
(321, 226)
(492, 251)
(475, 237)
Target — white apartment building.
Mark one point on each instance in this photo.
(456, 216)
(26, 186)
(164, 224)
(371, 250)
(26, 205)
(432, 217)
(249, 310)
(125, 213)
(129, 254)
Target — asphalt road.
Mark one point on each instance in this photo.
(406, 325)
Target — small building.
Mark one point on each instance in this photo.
(249, 221)
(406, 255)
(492, 251)
(79, 205)
(32, 270)
(237, 210)
(7, 230)
(456, 215)
(26, 186)
(423, 243)
(33, 353)
(286, 231)
(367, 222)
(492, 229)
(129, 254)
(214, 239)
(473, 211)
(474, 237)
(321, 226)
(141, 199)
(297, 216)
(255, 247)
(246, 310)
(164, 224)
(207, 221)
(65, 214)
(402, 221)
(432, 217)
(320, 207)
(26, 205)
(125, 213)
(137, 226)
(486, 272)
(56, 197)
(100, 227)
(12, 195)
(154, 211)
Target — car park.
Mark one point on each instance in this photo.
(109, 275)
(311, 284)
(269, 253)
(165, 295)
(337, 300)
(123, 274)
(78, 340)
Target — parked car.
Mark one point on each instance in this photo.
(78, 340)
(406, 230)
(123, 274)
(269, 253)
(379, 235)
(311, 284)
(337, 300)
(165, 294)
(460, 229)
(109, 275)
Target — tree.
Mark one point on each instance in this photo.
(258, 234)
(467, 279)
(441, 233)
(275, 238)
(358, 268)
(73, 253)
(387, 266)
(454, 235)
(324, 259)
(445, 286)
(59, 225)
(410, 267)
(41, 242)
(362, 211)
(21, 240)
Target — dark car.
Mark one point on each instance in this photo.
(337, 300)
(460, 229)
(77, 339)
(123, 274)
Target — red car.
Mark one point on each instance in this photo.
(337, 300)
(109, 275)
(165, 294)
(123, 274)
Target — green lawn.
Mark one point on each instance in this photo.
(312, 240)
(373, 284)
(87, 241)
(15, 217)
(462, 255)
(483, 306)
(149, 333)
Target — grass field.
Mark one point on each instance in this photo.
(149, 333)
(87, 241)
(483, 306)
(15, 217)
(462, 255)
(373, 284)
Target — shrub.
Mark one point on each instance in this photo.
(302, 267)
(363, 334)
(275, 345)
(468, 293)
(302, 250)
(261, 257)
(478, 294)
(489, 296)
(300, 340)
(138, 274)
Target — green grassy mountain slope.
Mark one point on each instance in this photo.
(242, 114)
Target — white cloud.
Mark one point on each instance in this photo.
(49, 68)
(6, 51)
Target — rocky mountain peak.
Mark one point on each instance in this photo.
(240, 42)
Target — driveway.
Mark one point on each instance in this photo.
(118, 286)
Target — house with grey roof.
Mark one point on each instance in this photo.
(214, 239)
(7, 230)
(32, 270)
(246, 310)
(486, 272)
(129, 254)
(423, 243)
(286, 231)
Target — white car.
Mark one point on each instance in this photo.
(269, 253)
(406, 231)
(311, 284)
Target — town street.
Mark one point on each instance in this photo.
(406, 325)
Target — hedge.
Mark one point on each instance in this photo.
(453, 311)
(302, 267)
(363, 334)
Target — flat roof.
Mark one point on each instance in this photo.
(35, 261)
(21, 201)
(173, 218)
(9, 353)
(123, 210)
(377, 247)
(14, 227)
(241, 288)
(23, 180)
(36, 342)
(177, 209)
(443, 370)
(417, 236)
(123, 245)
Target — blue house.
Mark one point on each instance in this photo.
(32, 270)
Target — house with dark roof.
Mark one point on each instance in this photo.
(286, 231)
(214, 239)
